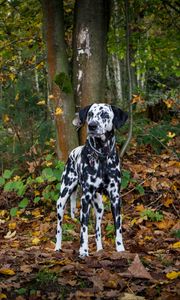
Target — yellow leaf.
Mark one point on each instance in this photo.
(169, 102)
(148, 238)
(105, 198)
(3, 296)
(51, 97)
(6, 118)
(58, 111)
(36, 193)
(173, 275)
(167, 202)
(176, 245)
(49, 163)
(42, 102)
(134, 221)
(3, 212)
(140, 207)
(5, 271)
(12, 76)
(39, 66)
(35, 241)
(66, 217)
(12, 226)
(17, 97)
(36, 233)
(171, 134)
(16, 178)
(36, 213)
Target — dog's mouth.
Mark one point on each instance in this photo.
(95, 133)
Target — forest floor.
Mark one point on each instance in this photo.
(148, 269)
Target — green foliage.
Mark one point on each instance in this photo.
(157, 136)
(22, 291)
(45, 186)
(127, 179)
(45, 277)
(154, 216)
(23, 122)
(154, 45)
(176, 233)
(67, 228)
(64, 82)
(110, 230)
(13, 211)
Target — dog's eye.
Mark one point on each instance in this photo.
(90, 114)
(104, 115)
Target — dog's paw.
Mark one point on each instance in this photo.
(83, 253)
(120, 248)
(57, 249)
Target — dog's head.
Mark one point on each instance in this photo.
(100, 118)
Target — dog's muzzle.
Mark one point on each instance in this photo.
(92, 126)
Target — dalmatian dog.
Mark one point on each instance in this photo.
(95, 167)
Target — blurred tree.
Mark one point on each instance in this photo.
(60, 86)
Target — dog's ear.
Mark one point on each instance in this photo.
(80, 117)
(120, 117)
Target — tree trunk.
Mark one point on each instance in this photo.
(129, 78)
(117, 76)
(59, 81)
(89, 44)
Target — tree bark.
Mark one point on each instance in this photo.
(59, 80)
(90, 55)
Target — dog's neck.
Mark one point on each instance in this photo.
(102, 147)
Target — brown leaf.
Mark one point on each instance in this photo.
(26, 269)
(97, 283)
(138, 270)
(128, 296)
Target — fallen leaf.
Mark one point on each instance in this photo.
(128, 296)
(168, 202)
(58, 111)
(3, 296)
(26, 269)
(12, 226)
(140, 207)
(97, 283)
(10, 235)
(5, 271)
(176, 245)
(165, 224)
(138, 270)
(35, 241)
(173, 275)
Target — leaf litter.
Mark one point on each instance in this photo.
(148, 269)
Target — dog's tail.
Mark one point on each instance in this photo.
(73, 204)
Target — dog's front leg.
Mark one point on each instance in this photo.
(84, 217)
(99, 210)
(116, 207)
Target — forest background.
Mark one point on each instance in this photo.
(58, 56)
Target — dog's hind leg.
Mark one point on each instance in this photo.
(84, 217)
(73, 203)
(99, 210)
(66, 191)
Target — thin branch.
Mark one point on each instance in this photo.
(141, 183)
(123, 150)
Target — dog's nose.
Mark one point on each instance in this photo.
(92, 126)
